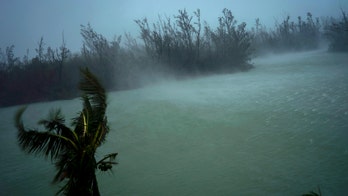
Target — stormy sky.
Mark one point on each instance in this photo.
(24, 22)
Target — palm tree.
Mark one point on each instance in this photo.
(73, 150)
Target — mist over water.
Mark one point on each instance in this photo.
(278, 129)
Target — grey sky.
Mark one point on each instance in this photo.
(23, 22)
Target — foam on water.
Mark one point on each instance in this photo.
(279, 129)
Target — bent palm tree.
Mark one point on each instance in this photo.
(73, 150)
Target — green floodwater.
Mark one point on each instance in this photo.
(279, 129)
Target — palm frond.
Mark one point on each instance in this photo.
(94, 91)
(78, 121)
(100, 134)
(62, 190)
(105, 164)
(91, 122)
(65, 165)
(18, 118)
(54, 119)
(55, 123)
(111, 157)
(49, 144)
(46, 143)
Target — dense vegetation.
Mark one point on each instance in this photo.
(288, 35)
(181, 45)
(187, 46)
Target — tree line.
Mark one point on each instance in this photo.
(182, 45)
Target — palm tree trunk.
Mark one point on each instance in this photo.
(95, 186)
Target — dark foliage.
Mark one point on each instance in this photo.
(185, 46)
(73, 150)
(337, 33)
(100, 54)
(181, 45)
(231, 42)
(288, 35)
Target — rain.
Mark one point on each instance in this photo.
(223, 98)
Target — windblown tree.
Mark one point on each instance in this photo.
(73, 150)
(188, 47)
(288, 35)
(174, 43)
(232, 42)
(102, 55)
(337, 34)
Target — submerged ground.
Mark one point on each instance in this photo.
(279, 129)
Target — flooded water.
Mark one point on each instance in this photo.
(279, 129)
